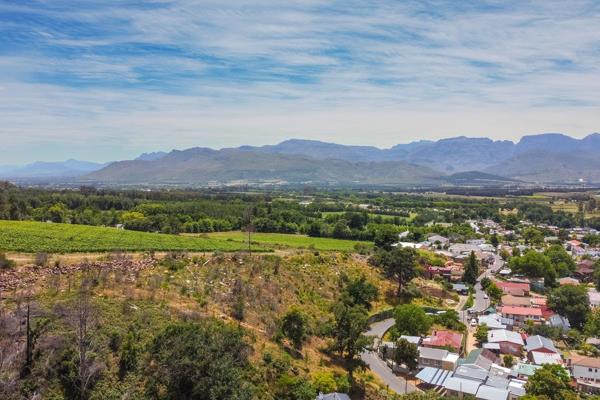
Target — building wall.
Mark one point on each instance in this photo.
(581, 372)
(510, 348)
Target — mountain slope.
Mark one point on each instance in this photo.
(60, 169)
(543, 166)
(201, 165)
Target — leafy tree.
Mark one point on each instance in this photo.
(359, 291)
(494, 292)
(471, 270)
(398, 264)
(295, 388)
(324, 382)
(504, 254)
(508, 360)
(561, 260)
(533, 236)
(350, 321)
(494, 240)
(129, 354)
(551, 381)
(485, 282)
(385, 236)
(572, 302)
(592, 324)
(294, 326)
(411, 320)
(481, 334)
(207, 360)
(406, 353)
(534, 265)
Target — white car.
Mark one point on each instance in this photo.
(485, 296)
(473, 322)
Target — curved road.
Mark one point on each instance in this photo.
(378, 366)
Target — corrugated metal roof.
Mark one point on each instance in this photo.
(433, 376)
(491, 393)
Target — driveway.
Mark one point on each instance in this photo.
(394, 382)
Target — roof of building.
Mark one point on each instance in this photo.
(432, 353)
(462, 385)
(333, 396)
(506, 286)
(491, 393)
(471, 371)
(525, 311)
(516, 387)
(493, 321)
(584, 361)
(412, 339)
(502, 335)
(568, 281)
(524, 369)
(480, 357)
(497, 381)
(510, 300)
(540, 358)
(443, 339)
(433, 376)
(540, 342)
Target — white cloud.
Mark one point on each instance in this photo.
(230, 73)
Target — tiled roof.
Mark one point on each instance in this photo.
(525, 311)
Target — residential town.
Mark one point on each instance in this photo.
(517, 320)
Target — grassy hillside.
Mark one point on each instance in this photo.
(289, 240)
(29, 236)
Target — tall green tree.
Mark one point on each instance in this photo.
(294, 326)
(411, 320)
(572, 302)
(561, 260)
(552, 381)
(406, 353)
(359, 290)
(198, 361)
(398, 264)
(534, 265)
(471, 269)
(350, 322)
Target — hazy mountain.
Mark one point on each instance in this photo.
(202, 165)
(152, 156)
(551, 157)
(59, 169)
(557, 167)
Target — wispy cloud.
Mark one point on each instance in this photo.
(174, 73)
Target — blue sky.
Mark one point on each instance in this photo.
(106, 80)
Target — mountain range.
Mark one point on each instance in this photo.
(544, 158)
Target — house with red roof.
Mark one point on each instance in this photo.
(520, 315)
(514, 288)
(444, 339)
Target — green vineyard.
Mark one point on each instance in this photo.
(31, 237)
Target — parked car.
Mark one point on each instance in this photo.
(473, 322)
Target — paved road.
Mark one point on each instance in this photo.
(480, 303)
(378, 366)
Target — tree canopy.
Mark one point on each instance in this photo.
(411, 320)
(572, 302)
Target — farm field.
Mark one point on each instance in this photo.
(289, 240)
(31, 237)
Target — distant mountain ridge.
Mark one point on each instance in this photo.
(544, 158)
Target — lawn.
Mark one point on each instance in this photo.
(31, 237)
(289, 240)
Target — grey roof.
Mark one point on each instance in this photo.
(517, 387)
(558, 321)
(471, 372)
(491, 393)
(540, 358)
(433, 376)
(502, 335)
(333, 396)
(538, 342)
(432, 354)
(497, 382)
(462, 385)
